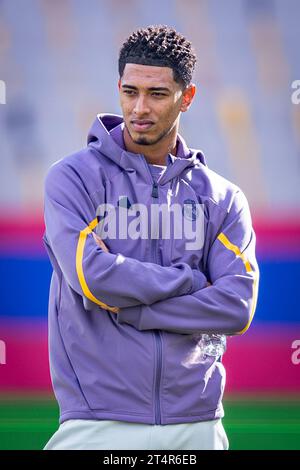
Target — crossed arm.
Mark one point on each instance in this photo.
(226, 305)
(94, 273)
(103, 247)
(179, 299)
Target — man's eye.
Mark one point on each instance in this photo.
(157, 93)
(128, 92)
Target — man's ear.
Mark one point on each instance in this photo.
(187, 97)
(119, 84)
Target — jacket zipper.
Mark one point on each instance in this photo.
(157, 333)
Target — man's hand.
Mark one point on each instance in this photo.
(100, 243)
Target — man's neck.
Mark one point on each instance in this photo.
(155, 154)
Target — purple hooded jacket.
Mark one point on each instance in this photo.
(124, 326)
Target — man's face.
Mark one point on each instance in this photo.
(151, 102)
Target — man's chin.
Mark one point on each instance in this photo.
(142, 141)
(143, 138)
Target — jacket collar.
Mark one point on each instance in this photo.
(106, 136)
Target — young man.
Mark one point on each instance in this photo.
(130, 298)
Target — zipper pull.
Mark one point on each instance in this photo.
(154, 189)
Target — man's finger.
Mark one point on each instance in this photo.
(100, 243)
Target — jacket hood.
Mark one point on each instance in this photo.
(100, 139)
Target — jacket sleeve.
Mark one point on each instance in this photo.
(108, 280)
(228, 305)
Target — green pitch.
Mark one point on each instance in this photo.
(250, 423)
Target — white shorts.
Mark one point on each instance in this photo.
(78, 434)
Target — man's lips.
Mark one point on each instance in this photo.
(141, 125)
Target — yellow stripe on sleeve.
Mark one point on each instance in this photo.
(254, 300)
(230, 246)
(79, 267)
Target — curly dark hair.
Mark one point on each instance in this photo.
(161, 46)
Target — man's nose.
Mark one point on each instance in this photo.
(141, 106)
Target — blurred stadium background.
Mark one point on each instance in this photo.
(58, 60)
